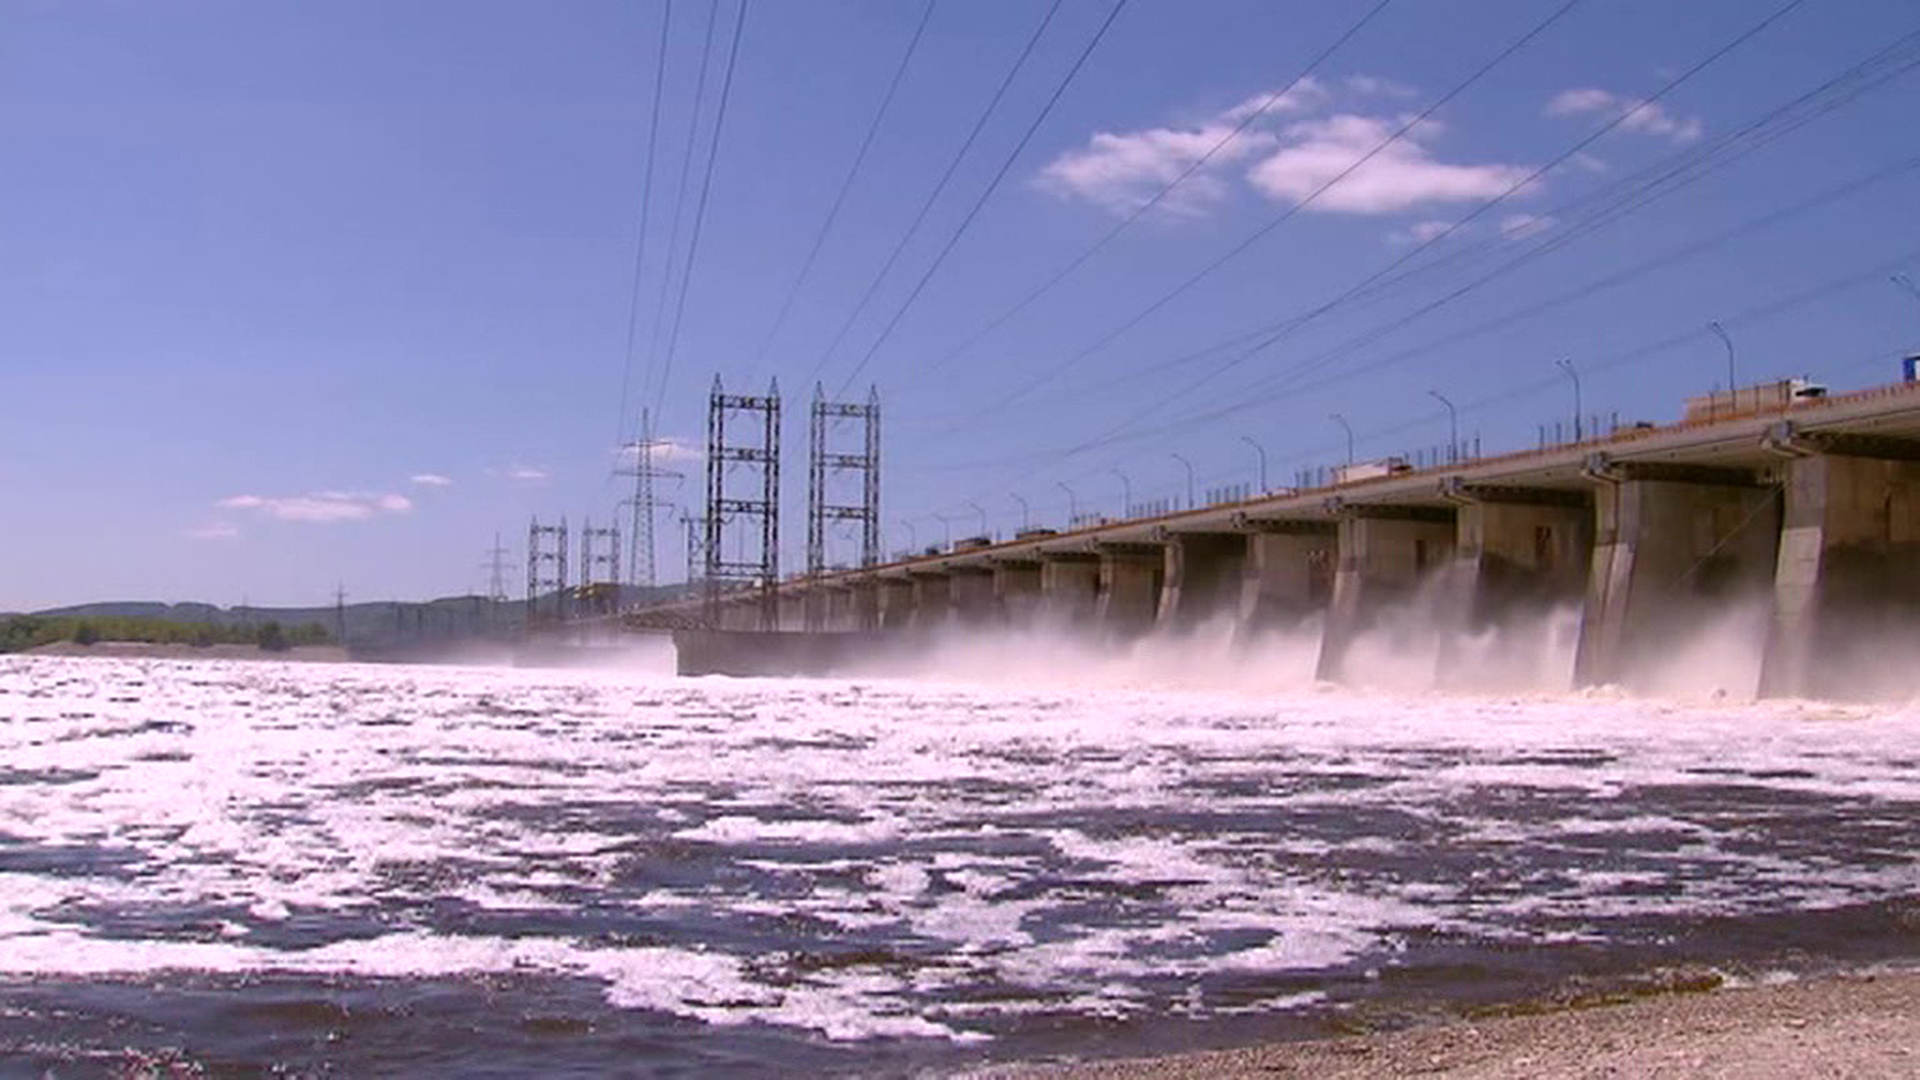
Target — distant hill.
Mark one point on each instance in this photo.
(370, 622)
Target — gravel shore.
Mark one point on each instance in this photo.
(1857, 1026)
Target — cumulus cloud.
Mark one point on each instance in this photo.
(1120, 172)
(1641, 116)
(666, 450)
(215, 530)
(1286, 155)
(428, 479)
(320, 506)
(526, 474)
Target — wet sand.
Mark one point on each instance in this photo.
(1853, 1026)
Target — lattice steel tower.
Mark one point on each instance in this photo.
(640, 555)
(824, 463)
(599, 589)
(762, 455)
(547, 568)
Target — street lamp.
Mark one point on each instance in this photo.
(1567, 366)
(946, 531)
(1453, 426)
(1348, 428)
(1189, 467)
(1126, 493)
(1026, 513)
(983, 515)
(1073, 504)
(913, 537)
(1733, 394)
(1262, 451)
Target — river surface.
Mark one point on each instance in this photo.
(245, 867)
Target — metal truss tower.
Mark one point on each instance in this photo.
(496, 567)
(696, 546)
(759, 454)
(547, 568)
(640, 555)
(824, 463)
(599, 589)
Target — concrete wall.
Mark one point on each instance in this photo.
(1129, 590)
(970, 594)
(1070, 589)
(1200, 577)
(1847, 581)
(1286, 576)
(1669, 556)
(1017, 591)
(894, 601)
(1383, 559)
(932, 599)
(1514, 557)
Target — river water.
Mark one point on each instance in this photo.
(350, 870)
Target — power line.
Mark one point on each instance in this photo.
(927, 206)
(992, 186)
(1159, 196)
(646, 201)
(700, 211)
(840, 198)
(1204, 272)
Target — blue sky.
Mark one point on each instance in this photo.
(297, 295)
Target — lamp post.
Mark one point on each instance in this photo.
(1733, 392)
(1126, 493)
(1262, 451)
(1453, 426)
(1567, 366)
(983, 515)
(1026, 513)
(946, 531)
(913, 536)
(1073, 503)
(1189, 468)
(1348, 428)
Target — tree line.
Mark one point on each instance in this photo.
(21, 632)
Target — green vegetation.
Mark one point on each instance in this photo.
(22, 632)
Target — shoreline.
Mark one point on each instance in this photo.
(1860, 1025)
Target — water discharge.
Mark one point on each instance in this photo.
(1031, 849)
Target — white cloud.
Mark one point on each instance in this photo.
(427, 479)
(1422, 231)
(1641, 117)
(668, 450)
(1290, 152)
(320, 506)
(1120, 172)
(526, 474)
(216, 530)
(1403, 176)
(1521, 226)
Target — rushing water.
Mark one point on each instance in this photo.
(346, 870)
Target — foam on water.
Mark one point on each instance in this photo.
(897, 859)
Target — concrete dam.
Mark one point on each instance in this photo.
(1808, 507)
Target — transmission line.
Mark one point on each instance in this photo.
(640, 243)
(840, 198)
(992, 186)
(700, 211)
(927, 206)
(1159, 196)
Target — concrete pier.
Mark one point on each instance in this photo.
(1674, 546)
(1516, 551)
(1287, 572)
(1129, 587)
(1846, 589)
(1385, 553)
(970, 594)
(1017, 591)
(894, 602)
(1069, 588)
(932, 599)
(1200, 578)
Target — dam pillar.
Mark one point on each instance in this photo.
(1129, 587)
(1017, 591)
(1069, 587)
(1517, 551)
(864, 605)
(1846, 588)
(1200, 577)
(971, 596)
(1674, 546)
(836, 607)
(1286, 573)
(795, 609)
(893, 602)
(932, 598)
(1384, 554)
